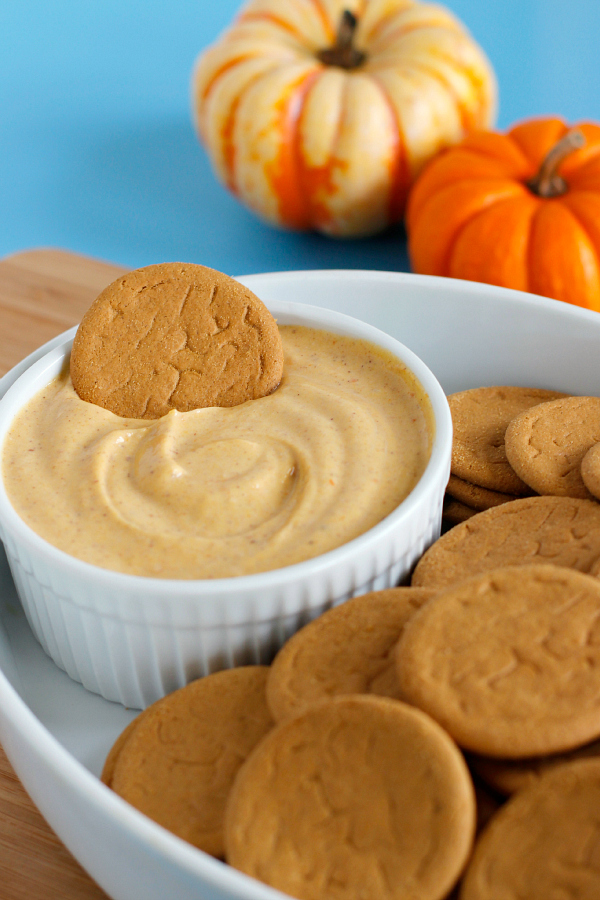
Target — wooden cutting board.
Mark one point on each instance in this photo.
(42, 292)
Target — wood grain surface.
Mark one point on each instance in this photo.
(42, 292)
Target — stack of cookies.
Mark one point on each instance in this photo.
(507, 661)
(374, 757)
(336, 771)
(310, 775)
(481, 475)
(512, 442)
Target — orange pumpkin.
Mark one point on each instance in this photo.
(320, 113)
(520, 210)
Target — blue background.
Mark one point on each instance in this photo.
(98, 153)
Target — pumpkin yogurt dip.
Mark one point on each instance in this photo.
(221, 492)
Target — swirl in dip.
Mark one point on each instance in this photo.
(218, 492)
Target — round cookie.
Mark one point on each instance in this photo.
(347, 650)
(358, 796)
(177, 765)
(559, 530)
(475, 497)
(175, 336)
(590, 470)
(543, 843)
(545, 445)
(508, 662)
(508, 776)
(479, 419)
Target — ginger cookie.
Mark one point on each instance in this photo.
(590, 470)
(544, 842)
(546, 445)
(347, 650)
(508, 661)
(560, 530)
(475, 497)
(479, 418)
(358, 796)
(507, 776)
(108, 769)
(178, 763)
(175, 336)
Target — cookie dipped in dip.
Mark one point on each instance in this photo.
(216, 492)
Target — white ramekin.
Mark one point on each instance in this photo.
(133, 639)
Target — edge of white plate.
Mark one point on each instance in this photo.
(24, 736)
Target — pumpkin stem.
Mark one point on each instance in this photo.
(548, 183)
(343, 53)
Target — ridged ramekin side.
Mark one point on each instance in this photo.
(136, 659)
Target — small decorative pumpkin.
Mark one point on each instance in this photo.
(520, 210)
(320, 113)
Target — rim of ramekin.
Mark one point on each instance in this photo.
(313, 316)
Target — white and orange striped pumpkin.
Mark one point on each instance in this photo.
(320, 113)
